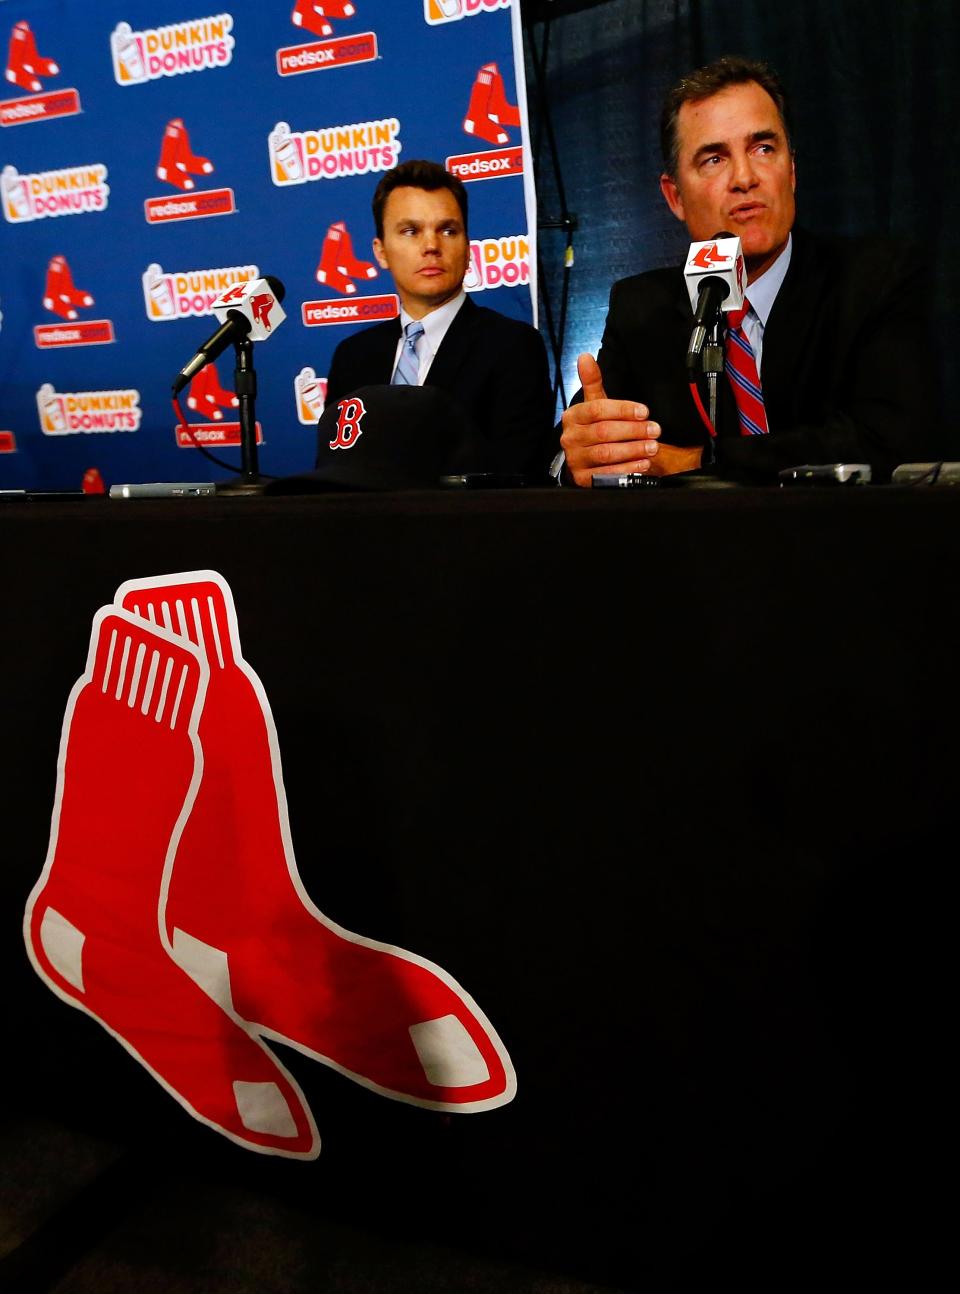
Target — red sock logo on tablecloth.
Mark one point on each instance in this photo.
(127, 777)
(171, 871)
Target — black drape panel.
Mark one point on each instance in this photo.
(874, 91)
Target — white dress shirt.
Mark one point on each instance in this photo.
(435, 325)
(761, 294)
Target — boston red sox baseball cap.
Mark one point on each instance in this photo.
(384, 438)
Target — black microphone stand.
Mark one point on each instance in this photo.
(711, 358)
(245, 387)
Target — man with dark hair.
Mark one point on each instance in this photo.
(829, 361)
(418, 174)
(495, 368)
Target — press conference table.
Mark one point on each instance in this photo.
(665, 778)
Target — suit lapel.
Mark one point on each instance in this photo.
(383, 352)
(455, 348)
(795, 312)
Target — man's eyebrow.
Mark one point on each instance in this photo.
(706, 149)
(755, 137)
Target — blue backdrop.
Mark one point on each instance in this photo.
(153, 152)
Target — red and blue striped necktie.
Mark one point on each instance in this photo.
(743, 375)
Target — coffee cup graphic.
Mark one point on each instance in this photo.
(311, 391)
(287, 156)
(440, 9)
(128, 64)
(16, 202)
(158, 293)
(53, 419)
(473, 279)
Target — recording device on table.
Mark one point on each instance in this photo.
(827, 474)
(926, 474)
(164, 490)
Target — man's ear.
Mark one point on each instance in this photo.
(379, 254)
(671, 192)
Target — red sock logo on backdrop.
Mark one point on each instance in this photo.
(312, 15)
(489, 110)
(170, 907)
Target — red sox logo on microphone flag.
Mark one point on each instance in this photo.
(260, 305)
(708, 256)
(170, 813)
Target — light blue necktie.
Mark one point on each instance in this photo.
(408, 365)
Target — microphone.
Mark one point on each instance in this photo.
(246, 310)
(714, 276)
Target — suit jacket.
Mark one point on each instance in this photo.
(496, 370)
(846, 369)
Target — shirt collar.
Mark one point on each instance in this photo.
(762, 292)
(436, 323)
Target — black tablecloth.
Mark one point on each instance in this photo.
(666, 779)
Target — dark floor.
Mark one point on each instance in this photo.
(77, 1214)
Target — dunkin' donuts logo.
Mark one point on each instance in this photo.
(332, 152)
(498, 263)
(185, 294)
(440, 11)
(69, 413)
(75, 191)
(310, 392)
(197, 45)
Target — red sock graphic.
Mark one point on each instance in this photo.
(309, 15)
(507, 114)
(24, 64)
(177, 162)
(348, 261)
(94, 925)
(478, 120)
(207, 396)
(243, 925)
(201, 398)
(335, 8)
(330, 271)
(59, 293)
(226, 399)
(195, 164)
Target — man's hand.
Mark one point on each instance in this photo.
(615, 436)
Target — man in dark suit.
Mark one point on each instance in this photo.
(835, 327)
(495, 368)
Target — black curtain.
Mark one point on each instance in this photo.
(875, 95)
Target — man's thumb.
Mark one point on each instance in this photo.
(591, 379)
